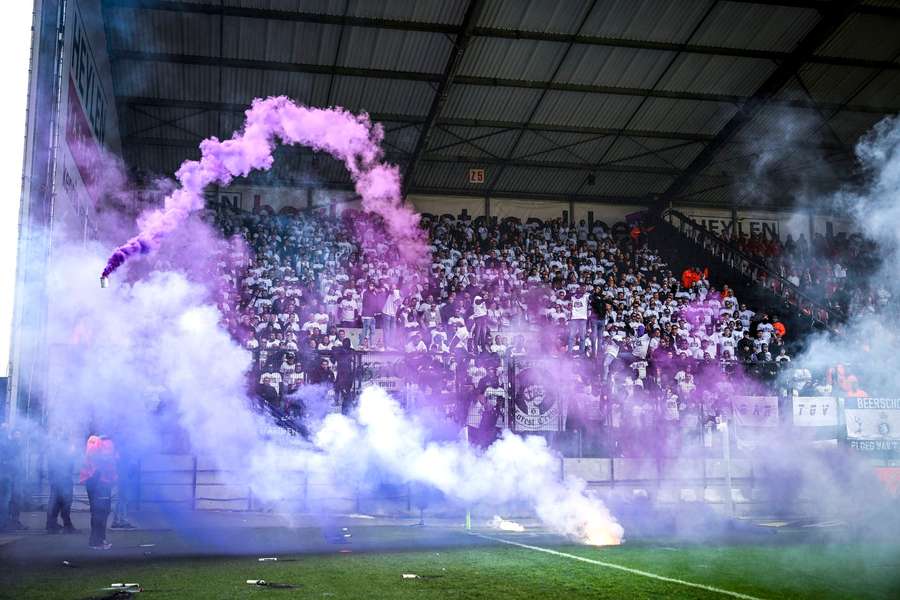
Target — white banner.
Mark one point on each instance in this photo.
(815, 411)
(872, 419)
(755, 411)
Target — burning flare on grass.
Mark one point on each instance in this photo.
(512, 469)
(502, 524)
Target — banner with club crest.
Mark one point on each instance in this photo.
(536, 398)
(873, 424)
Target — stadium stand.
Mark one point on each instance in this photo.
(637, 326)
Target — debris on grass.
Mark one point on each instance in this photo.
(268, 559)
(123, 590)
(416, 576)
(270, 584)
(126, 586)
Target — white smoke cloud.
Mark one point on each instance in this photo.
(162, 331)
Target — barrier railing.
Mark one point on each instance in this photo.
(751, 267)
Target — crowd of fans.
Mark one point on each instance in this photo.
(832, 269)
(314, 290)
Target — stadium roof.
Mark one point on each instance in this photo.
(597, 100)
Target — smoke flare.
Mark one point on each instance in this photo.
(352, 139)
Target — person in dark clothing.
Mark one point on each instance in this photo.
(343, 383)
(320, 373)
(745, 348)
(127, 472)
(372, 304)
(60, 469)
(6, 478)
(98, 476)
(16, 462)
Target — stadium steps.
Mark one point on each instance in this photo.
(681, 252)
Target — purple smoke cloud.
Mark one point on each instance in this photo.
(352, 139)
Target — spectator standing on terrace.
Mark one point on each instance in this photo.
(16, 468)
(372, 304)
(391, 306)
(6, 475)
(98, 475)
(578, 316)
(343, 382)
(480, 331)
(348, 309)
(60, 473)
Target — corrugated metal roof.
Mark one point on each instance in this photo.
(865, 36)
(369, 48)
(738, 25)
(241, 86)
(485, 141)
(177, 124)
(540, 180)
(586, 110)
(647, 152)
(334, 7)
(851, 126)
(165, 80)
(433, 11)
(494, 103)
(425, 11)
(279, 41)
(882, 91)
(447, 175)
(683, 115)
(382, 95)
(755, 26)
(562, 147)
(163, 31)
(534, 15)
(400, 136)
(628, 184)
(619, 67)
(512, 59)
(716, 74)
(827, 83)
(654, 20)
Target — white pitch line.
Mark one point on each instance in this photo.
(600, 563)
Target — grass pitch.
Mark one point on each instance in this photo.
(453, 564)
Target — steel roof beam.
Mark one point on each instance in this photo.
(515, 34)
(240, 63)
(460, 43)
(528, 195)
(550, 164)
(282, 15)
(594, 40)
(267, 65)
(437, 158)
(444, 121)
(407, 120)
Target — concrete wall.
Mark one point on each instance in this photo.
(189, 482)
